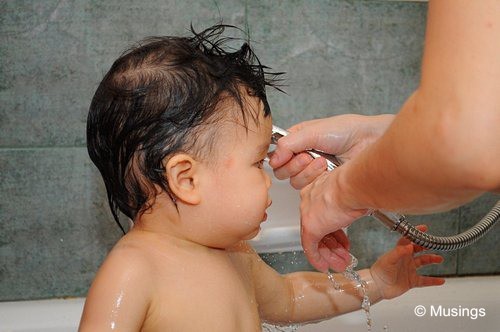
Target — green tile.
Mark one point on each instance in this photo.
(53, 55)
(56, 227)
(340, 56)
(287, 262)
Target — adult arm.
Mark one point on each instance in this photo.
(441, 150)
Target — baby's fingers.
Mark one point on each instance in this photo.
(424, 281)
(427, 259)
(416, 248)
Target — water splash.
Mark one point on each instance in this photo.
(351, 274)
(277, 328)
(336, 285)
(116, 310)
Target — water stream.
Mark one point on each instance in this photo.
(351, 274)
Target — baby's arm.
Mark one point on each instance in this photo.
(310, 296)
(396, 272)
(118, 298)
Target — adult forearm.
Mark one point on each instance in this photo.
(443, 148)
(424, 163)
(407, 170)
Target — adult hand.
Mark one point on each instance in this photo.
(343, 135)
(323, 215)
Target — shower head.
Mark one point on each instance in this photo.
(331, 160)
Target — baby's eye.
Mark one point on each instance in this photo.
(260, 163)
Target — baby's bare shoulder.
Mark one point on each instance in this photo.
(128, 254)
(123, 282)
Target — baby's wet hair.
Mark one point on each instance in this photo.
(162, 97)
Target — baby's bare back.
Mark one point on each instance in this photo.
(210, 290)
(168, 286)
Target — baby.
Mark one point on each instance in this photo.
(179, 129)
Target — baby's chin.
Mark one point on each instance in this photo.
(253, 234)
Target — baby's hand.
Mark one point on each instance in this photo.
(395, 272)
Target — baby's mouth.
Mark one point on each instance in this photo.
(265, 212)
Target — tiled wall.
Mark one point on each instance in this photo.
(55, 227)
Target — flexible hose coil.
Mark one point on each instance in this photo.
(442, 243)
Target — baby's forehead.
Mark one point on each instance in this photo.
(234, 122)
(253, 131)
(239, 130)
(242, 104)
(248, 116)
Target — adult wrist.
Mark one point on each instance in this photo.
(346, 201)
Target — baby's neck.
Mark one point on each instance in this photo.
(163, 224)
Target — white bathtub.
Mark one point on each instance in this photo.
(451, 307)
(60, 315)
(281, 231)
(458, 293)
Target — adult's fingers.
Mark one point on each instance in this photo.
(291, 144)
(310, 243)
(329, 252)
(301, 125)
(340, 237)
(335, 257)
(309, 174)
(335, 251)
(294, 166)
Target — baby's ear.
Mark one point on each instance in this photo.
(183, 178)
